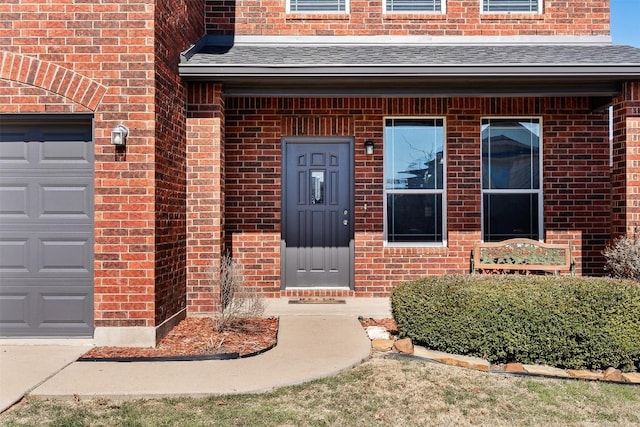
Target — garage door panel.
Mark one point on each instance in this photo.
(46, 228)
(13, 153)
(15, 307)
(64, 309)
(59, 200)
(14, 200)
(66, 200)
(65, 153)
(61, 309)
(65, 256)
(61, 146)
(48, 255)
(14, 256)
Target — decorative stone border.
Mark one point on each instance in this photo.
(406, 348)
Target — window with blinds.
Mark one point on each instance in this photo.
(414, 5)
(512, 6)
(318, 6)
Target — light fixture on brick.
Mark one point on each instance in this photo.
(368, 147)
(119, 135)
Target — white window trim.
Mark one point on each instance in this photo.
(508, 12)
(442, 11)
(443, 243)
(319, 12)
(538, 191)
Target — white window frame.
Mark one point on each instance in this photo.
(442, 11)
(538, 191)
(322, 12)
(442, 191)
(482, 2)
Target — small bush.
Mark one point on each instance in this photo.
(237, 302)
(623, 257)
(568, 322)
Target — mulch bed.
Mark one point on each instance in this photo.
(197, 337)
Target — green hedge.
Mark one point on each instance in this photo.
(568, 322)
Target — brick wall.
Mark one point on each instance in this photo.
(98, 57)
(109, 45)
(576, 179)
(462, 18)
(205, 195)
(626, 161)
(177, 25)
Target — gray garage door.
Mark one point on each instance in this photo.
(46, 228)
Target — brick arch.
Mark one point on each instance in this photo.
(52, 77)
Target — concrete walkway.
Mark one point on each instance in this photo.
(314, 341)
(25, 366)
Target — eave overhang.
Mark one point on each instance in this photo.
(414, 70)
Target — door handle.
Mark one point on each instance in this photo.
(345, 222)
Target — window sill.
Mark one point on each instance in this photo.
(422, 16)
(503, 16)
(416, 249)
(314, 16)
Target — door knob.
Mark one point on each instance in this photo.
(345, 222)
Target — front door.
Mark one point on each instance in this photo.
(317, 212)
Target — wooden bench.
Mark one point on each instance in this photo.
(522, 255)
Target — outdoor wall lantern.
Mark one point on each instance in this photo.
(368, 147)
(119, 135)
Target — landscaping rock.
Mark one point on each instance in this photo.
(586, 375)
(514, 367)
(545, 370)
(381, 345)
(453, 359)
(404, 346)
(631, 377)
(377, 333)
(613, 374)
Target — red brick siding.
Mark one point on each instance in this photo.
(626, 161)
(177, 25)
(462, 18)
(205, 195)
(576, 179)
(39, 86)
(78, 56)
(110, 45)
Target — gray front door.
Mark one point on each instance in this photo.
(317, 212)
(46, 228)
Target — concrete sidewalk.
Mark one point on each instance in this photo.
(314, 341)
(23, 367)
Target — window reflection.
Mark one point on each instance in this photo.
(317, 187)
(512, 191)
(414, 180)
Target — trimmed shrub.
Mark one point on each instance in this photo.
(623, 257)
(568, 322)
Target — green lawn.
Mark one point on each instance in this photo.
(380, 392)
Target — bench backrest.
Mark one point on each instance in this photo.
(522, 254)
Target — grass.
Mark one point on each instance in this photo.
(380, 392)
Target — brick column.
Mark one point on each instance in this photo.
(205, 195)
(625, 175)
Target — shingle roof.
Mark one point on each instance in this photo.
(413, 68)
(412, 55)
